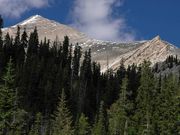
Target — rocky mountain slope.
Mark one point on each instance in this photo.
(108, 54)
(47, 28)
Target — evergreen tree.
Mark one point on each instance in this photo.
(1, 26)
(7, 48)
(7, 98)
(17, 38)
(121, 71)
(33, 43)
(1, 47)
(84, 93)
(65, 50)
(36, 127)
(63, 119)
(83, 127)
(166, 112)
(19, 49)
(19, 124)
(76, 61)
(24, 40)
(99, 127)
(118, 113)
(1, 23)
(145, 100)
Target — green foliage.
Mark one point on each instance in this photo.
(63, 119)
(7, 98)
(99, 127)
(19, 124)
(165, 115)
(83, 127)
(36, 127)
(118, 113)
(144, 100)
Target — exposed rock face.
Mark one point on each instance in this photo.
(155, 50)
(47, 28)
(108, 54)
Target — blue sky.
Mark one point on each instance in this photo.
(108, 19)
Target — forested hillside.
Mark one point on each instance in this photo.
(58, 90)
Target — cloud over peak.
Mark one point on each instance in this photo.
(94, 17)
(14, 8)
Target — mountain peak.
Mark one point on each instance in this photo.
(48, 28)
(157, 38)
(36, 16)
(32, 19)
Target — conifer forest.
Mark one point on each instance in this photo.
(56, 89)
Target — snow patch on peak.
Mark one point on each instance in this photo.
(37, 16)
(32, 19)
(156, 38)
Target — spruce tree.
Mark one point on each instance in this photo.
(65, 51)
(33, 43)
(83, 127)
(1, 26)
(99, 127)
(144, 100)
(19, 49)
(24, 40)
(118, 113)
(76, 61)
(36, 127)
(166, 111)
(63, 119)
(7, 48)
(1, 47)
(84, 93)
(7, 98)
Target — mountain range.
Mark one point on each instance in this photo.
(107, 53)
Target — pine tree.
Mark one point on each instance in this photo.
(19, 49)
(1, 25)
(144, 100)
(84, 93)
(19, 125)
(24, 40)
(33, 43)
(76, 61)
(17, 38)
(1, 47)
(7, 98)
(166, 109)
(36, 127)
(7, 48)
(118, 113)
(65, 51)
(99, 127)
(63, 119)
(121, 71)
(83, 127)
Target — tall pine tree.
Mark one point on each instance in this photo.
(145, 100)
(99, 127)
(63, 119)
(7, 98)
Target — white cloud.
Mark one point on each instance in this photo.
(14, 8)
(94, 17)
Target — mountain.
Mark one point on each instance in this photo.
(47, 28)
(108, 54)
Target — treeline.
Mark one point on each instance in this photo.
(58, 90)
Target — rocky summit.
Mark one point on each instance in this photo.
(108, 54)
